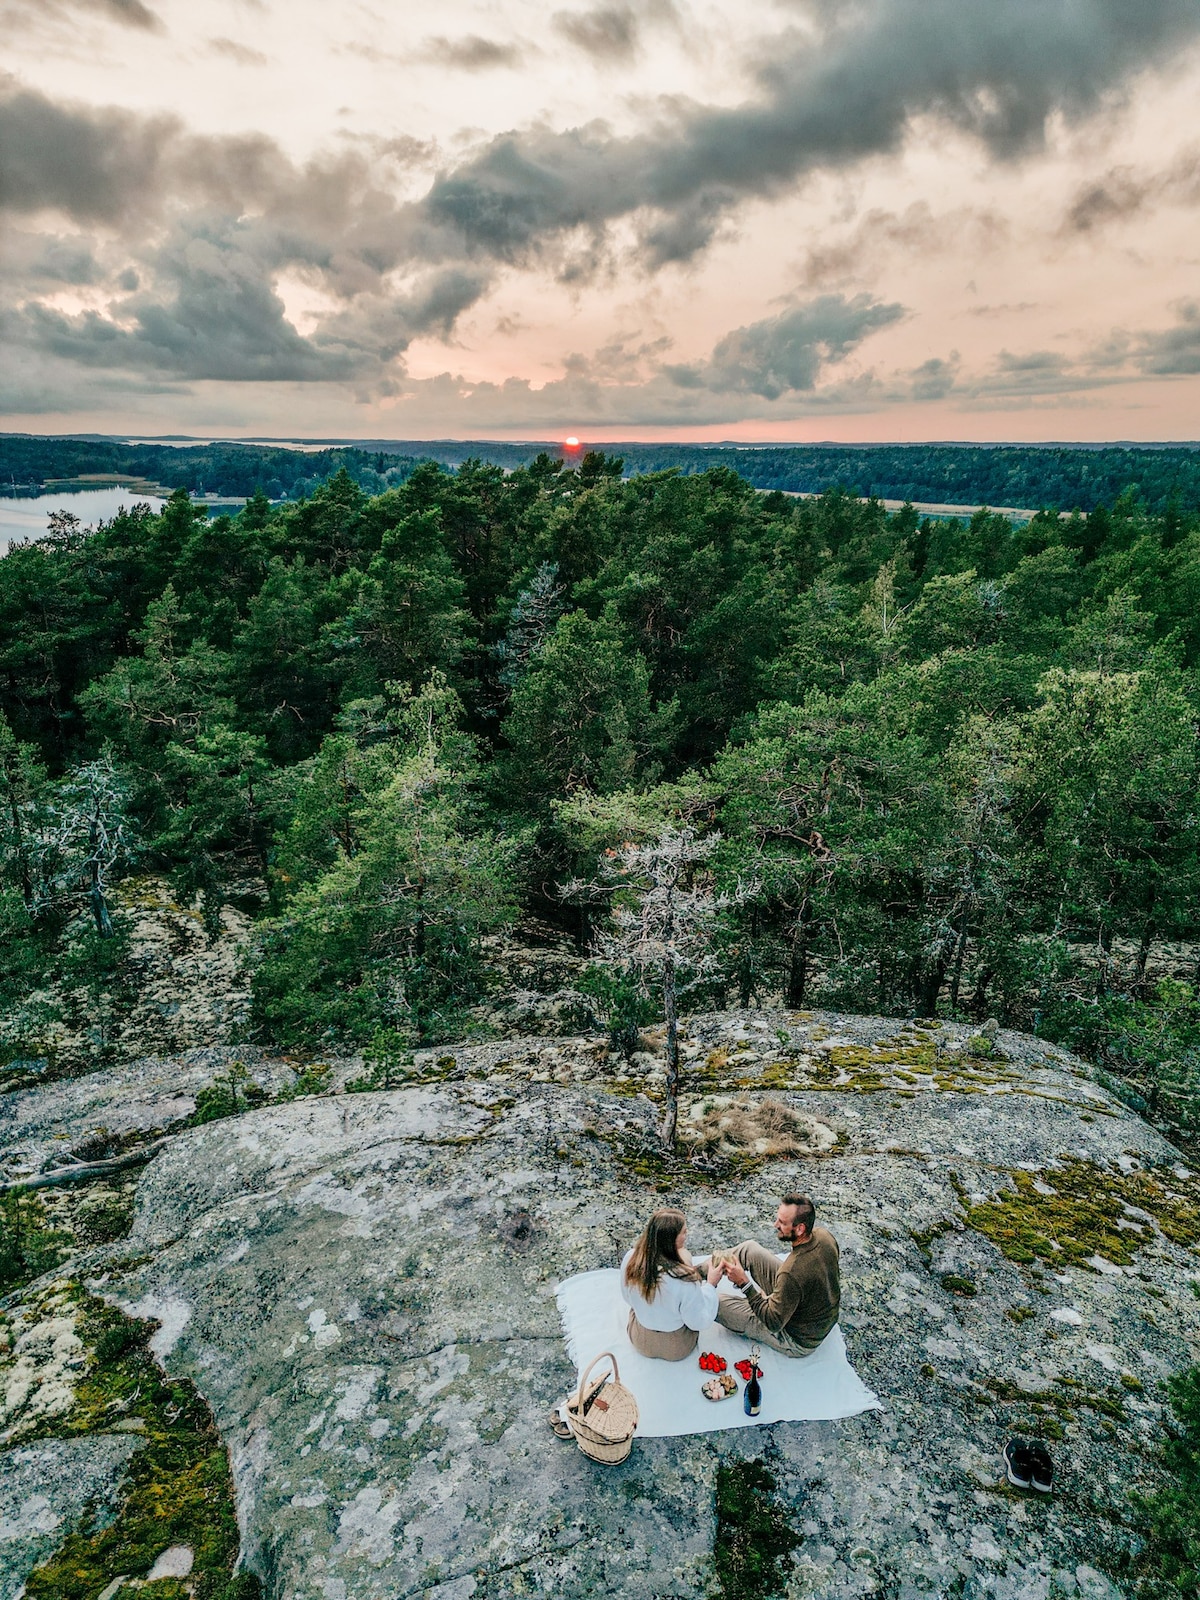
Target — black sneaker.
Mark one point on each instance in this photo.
(1018, 1463)
(1041, 1468)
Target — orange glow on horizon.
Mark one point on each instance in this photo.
(571, 442)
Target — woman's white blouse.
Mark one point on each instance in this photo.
(678, 1303)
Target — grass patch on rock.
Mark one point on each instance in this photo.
(1169, 1566)
(752, 1552)
(228, 1095)
(30, 1242)
(39, 1232)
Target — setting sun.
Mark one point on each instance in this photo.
(572, 443)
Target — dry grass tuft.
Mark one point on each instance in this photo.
(727, 1126)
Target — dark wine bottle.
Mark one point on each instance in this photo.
(752, 1399)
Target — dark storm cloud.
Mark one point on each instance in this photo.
(43, 259)
(608, 33)
(1028, 374)
(208, 226)
(89, 163)
(105, 165)
(788, 352)
(998, 71)
(934, 379)
(375, 329)
(1174, 351)
(213, 314)
(472, 53)
(995, 71)
(195, 297)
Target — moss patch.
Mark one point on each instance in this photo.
(1087, 1210)
(178, 1489)
(910, 1063)
(754, 1539)
(1063, 1398)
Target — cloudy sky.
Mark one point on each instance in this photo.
(797, 219)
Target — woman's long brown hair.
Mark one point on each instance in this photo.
(655, 1253)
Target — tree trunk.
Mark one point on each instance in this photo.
(85, 1171)
(979, 998)
(797, 982)
(100, 914)
(103, 921)
(19, 837)
(960, 953)
(671, 1110)
(419, 1013)
(1105, 942)
(1143, 954)
(930, 986)
(745, 973)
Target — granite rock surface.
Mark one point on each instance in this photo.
(362, 1287)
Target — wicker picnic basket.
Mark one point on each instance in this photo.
(602, 1416)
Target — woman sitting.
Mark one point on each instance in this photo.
(668, 1299)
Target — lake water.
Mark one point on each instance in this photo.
(27, 519)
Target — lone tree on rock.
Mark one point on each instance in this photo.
(659, 935)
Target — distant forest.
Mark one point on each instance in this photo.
(927, 766)
(1064, 478)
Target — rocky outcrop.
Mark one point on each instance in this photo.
(362, 1288)
(179, 986)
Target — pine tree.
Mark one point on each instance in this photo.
(537, 609)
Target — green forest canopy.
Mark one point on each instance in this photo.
(1059, 477)
(953, 763)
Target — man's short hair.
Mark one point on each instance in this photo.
(806, 1211)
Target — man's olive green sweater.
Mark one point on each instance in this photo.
(807, 1293)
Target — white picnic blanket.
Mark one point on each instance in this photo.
(815, 1388)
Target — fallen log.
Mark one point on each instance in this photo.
(85, 1170)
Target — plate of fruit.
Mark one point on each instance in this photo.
(711, 1362)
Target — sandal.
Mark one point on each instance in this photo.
(559, 1426)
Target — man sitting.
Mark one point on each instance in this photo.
(790, 1305)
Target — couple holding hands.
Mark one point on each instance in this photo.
(788, 1305)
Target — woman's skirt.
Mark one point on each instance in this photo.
(674, 1346)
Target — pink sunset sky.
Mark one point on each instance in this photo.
(799, 220)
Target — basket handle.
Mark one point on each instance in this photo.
(605, 1355)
